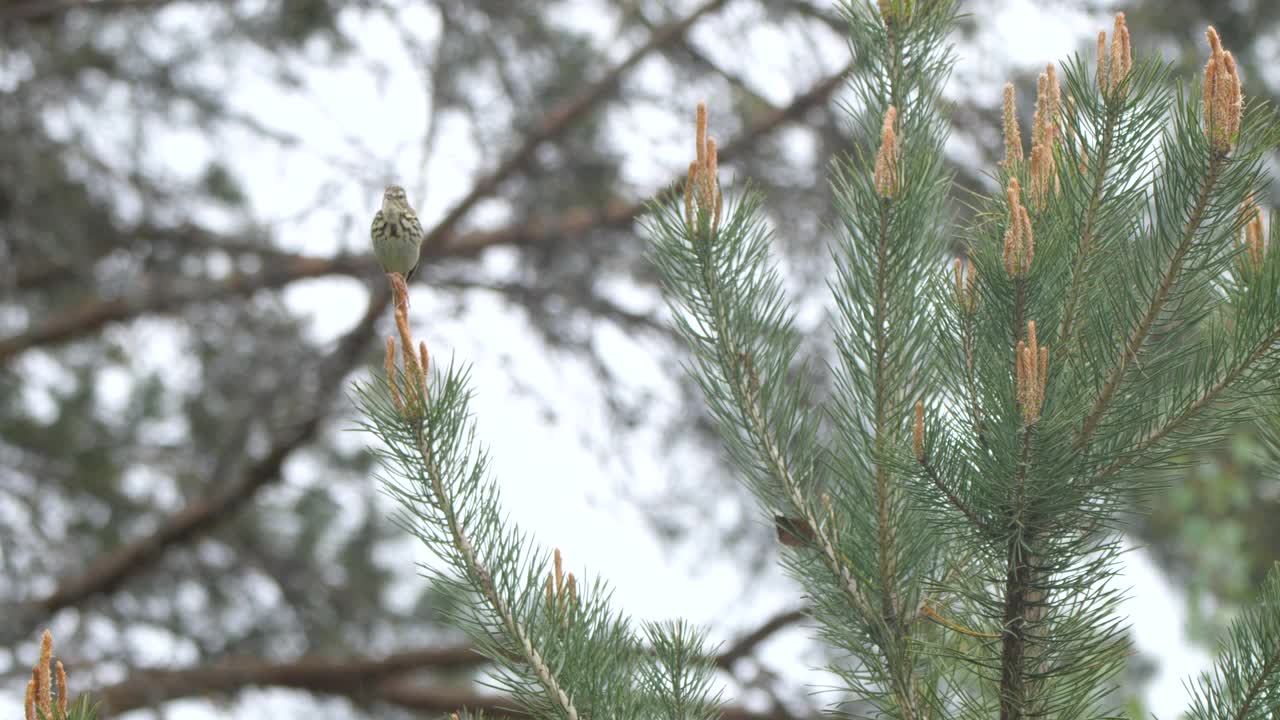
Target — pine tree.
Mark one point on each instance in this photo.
(958, 492)
(558, 647)
(950, 510)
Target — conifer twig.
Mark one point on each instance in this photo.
(477, 569)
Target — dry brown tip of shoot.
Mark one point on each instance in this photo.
(424, 357)
(389, 364)
(415, 363)
(571, 589)
(1019, 242)
(1121, 55)
(918, 431)
(886, 170)
(1223, 102)
(1012, 135)
(411, 369)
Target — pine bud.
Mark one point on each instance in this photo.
(1012, 135)
(1044, 136)
(44, 688)
(894, 10)
(38, 701)
(389, 364)
(1114, 69)
(1121, 54)
(1031, 364)
(965, 276)
(886, 171)
(1019, 242)
(1255, 243)
(60, 675)
(1223, 102)
(702, 185)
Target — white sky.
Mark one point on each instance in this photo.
(552, 485)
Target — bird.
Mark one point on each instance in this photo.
(397, 234)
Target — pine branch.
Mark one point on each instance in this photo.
(932, 473)
(558, 648)
(284, 268)
(1017, 588)
(484, 578)
(1245, 681)
(110, 571)
(1134, 343)
(357, 677)
(1194, 408)
(1085, 247)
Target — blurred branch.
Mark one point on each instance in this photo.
(558, 121)
(437, 700)
(747, 644)
(360, 678)
(285, 268)
(110, 570)
(107, 572)
(29, 10)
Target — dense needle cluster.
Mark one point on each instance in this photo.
(991, 548)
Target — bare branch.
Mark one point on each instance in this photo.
(362, 678)
(285, 268)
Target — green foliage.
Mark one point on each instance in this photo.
(559, 650)
(963, 560)
(951, 509)
(1245, 681)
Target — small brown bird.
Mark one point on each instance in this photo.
(397, 234)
